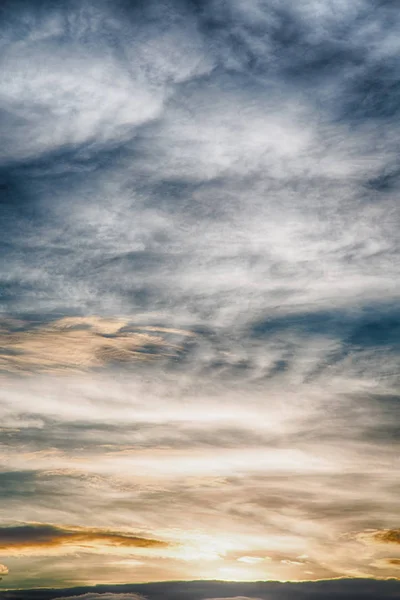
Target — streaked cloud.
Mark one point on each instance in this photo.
(200, 275)
(384, 536)
(45, 539)
(221, 477)
(81, 343)
(198, 137)
(390, 536)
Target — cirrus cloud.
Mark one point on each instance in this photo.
(218, 183)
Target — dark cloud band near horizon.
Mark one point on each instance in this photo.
(199, 294)
(196, 590)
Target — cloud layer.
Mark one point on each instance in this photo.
(199, 227)
(197, 590)
(215, 180)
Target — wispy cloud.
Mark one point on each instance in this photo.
(391, 536)
(82, 343)
(200, 238)
(242, 195)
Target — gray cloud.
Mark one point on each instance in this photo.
(236, 598)
(346, 589)
(111, 596)
(239, 153)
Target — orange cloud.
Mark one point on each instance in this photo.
(387, 536)
(81, 343)
(387, 563)
(38, 538)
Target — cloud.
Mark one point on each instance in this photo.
(82, 343)
(252, 559)
(205, 131)
(393, 562)
(95, 596)
(43, 539)
(388, 562)
(200, 590)
(253, 476)
(235, 598)
(97, 78)
(388, 536)
(199, 231)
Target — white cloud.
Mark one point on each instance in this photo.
(94, 88)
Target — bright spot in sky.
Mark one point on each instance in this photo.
(251, 560)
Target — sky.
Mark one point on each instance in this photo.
(199, 296)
